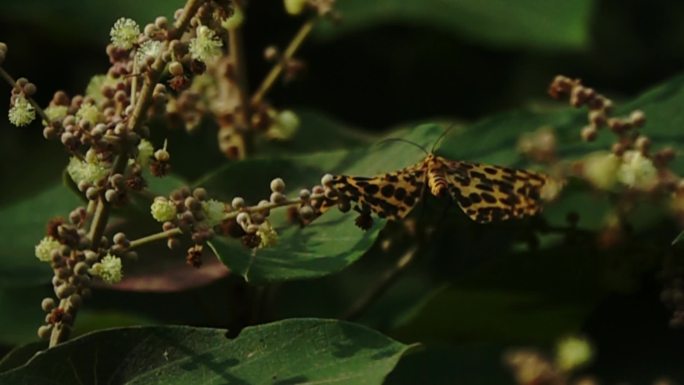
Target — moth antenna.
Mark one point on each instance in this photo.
(405, 141)
(442, 136)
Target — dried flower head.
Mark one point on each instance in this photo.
(89, 171)
(149, 49)
(124, 33)
(90, 113)
(213, 211)
(22, 112)
(163, 210)
(108, 269)
(267, 234)
(206, 45)
(55, 113)
(45, 248)
(637, 171)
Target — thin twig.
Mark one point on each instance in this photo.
(275, 72)
(154, 237)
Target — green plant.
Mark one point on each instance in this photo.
(278, 246)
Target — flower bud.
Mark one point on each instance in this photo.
(277, 185)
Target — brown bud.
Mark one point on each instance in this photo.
(589, 133)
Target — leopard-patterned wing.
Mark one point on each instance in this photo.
(391, 195)
(493, 193)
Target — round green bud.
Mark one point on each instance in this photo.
(47, 304)
(277, 185)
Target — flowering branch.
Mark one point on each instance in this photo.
(17, 84)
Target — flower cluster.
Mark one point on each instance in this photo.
(630, 161)
(174, 71)
(65, 248)
(191, 212)
(630, 169)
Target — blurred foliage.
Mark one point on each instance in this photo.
(530, 24)
(473, 292)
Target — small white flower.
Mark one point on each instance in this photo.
(163, 210)
(89, 112)
(22, 112)
(45, 247)
(637, 171)
(267, 234)
(205, 45)
(150, 48)
(573, 352)
(214, 211)
(108, 269)
(145, 152)
(124, 33)
(89, 171)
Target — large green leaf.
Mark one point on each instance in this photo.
(332, 242)
(285, 352)
(554, 24)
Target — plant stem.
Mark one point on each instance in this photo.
(8, 78)
(256, 209)
(272, 76)
(154, 237)
(387, 279)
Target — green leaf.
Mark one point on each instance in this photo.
(551, 25)
(22, 227)
(20, 355)
(284, 352)
(328, 246)
(331, 242)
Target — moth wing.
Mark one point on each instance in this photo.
(392, 195)
(489, 193)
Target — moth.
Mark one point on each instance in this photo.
(485, 193)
